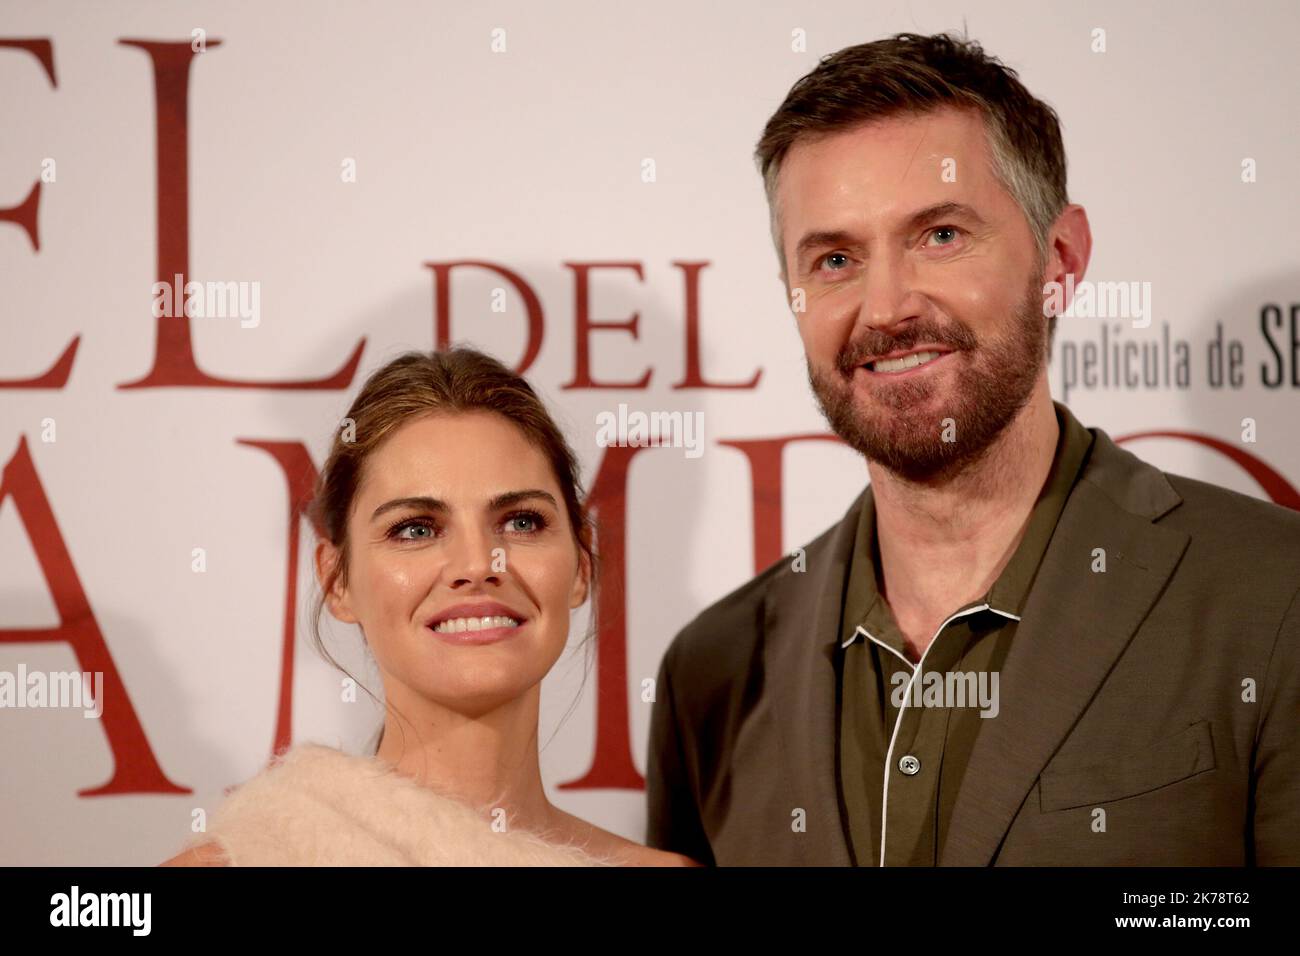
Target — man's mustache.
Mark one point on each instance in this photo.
(872, 343)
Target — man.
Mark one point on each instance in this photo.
(1022, 645)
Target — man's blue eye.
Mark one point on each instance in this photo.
(835, 255)
(945, 229)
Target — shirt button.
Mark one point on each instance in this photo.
(909, 765)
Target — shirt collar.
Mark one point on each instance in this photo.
(865, 609)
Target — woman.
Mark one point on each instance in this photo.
(450, 530)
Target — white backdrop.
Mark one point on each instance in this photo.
(532, 158)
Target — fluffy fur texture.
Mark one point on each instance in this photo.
(317, 806)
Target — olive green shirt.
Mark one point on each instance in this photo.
(906, 732)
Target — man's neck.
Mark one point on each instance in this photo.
(942, 545)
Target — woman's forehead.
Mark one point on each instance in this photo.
(459, 457)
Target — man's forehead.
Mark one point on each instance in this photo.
(897, 163)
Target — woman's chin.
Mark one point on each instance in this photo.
(471, 679)
(480, 692)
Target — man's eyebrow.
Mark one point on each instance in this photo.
(425, 503)
(822, 238)
(945, 210)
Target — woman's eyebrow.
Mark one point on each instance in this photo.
(422, 502)
(426, 503)
(514, 497)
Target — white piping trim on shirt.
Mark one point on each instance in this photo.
(865, 633)
(916, 669)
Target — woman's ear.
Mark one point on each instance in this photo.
(581, 581)
(336, 596)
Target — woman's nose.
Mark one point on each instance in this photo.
(472, 558)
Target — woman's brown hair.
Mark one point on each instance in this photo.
(411, 386)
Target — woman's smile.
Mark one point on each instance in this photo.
(481, 622)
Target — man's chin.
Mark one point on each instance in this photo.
(915, 450)
(918, 462)
(913, 439)
(914, 406)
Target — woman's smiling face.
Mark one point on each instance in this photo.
(459, 517)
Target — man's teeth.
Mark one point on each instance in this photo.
(455, 625)
(907, 361)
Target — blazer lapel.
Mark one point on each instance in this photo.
(1074, 625)
(801, 628)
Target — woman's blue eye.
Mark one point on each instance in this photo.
(399, 531)
(420, 529)
(532, 522)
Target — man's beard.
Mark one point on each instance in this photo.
(994, 382)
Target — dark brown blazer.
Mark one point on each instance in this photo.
(1164, 692)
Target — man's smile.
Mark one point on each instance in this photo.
(910, 364)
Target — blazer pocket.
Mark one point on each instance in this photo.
(1168, 761)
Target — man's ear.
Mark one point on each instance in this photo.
(1069, 247)
(336, 596)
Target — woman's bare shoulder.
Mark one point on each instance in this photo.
(205, 854)
(627, 852)
(665, 858)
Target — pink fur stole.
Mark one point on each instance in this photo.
(317, 806)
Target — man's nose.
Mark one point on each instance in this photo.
(888, 293)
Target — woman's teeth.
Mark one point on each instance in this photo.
(457, 624)
(906, 362)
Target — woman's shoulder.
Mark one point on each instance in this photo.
(655, 857)
(316, 805)
(621, 850)
(264, 803)
(205, 854)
